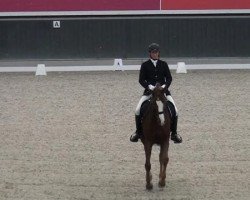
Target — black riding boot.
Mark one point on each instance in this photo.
(136, 135)
(174, 136)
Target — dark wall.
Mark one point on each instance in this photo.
(125, 37)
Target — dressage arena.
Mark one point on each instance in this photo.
(66, 136)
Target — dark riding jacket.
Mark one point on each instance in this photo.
(149, 74)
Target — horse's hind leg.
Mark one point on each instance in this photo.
(148, 149)
(163, 164)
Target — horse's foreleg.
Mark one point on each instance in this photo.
(163, 164)
(148, 149)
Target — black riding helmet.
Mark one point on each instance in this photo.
(153, 47)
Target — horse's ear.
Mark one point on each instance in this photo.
(164, 87)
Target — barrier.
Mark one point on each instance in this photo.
(43, 71)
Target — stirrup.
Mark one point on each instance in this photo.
(134, 137)
(176, 138)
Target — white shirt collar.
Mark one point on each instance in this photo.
(154, 62)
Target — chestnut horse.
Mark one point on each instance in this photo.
(156, 130)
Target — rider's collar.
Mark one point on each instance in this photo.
(154, 61)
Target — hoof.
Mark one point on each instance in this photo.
(149, 186)
(161, 184)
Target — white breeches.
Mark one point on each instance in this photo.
(146, 97)
(169, 98)
(138, 107)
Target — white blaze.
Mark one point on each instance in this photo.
(160, 109)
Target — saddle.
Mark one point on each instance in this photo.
(169, 106)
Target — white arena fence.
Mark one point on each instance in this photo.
(180, 67)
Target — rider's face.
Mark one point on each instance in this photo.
(154, 55)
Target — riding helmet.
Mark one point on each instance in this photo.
(153, 47)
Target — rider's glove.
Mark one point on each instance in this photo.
(163, 86)
(151, 87)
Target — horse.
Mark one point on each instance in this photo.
(156, 123)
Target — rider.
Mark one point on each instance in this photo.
(152, 71)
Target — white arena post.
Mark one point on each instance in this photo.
(181, 67)
(40, 70)
(118, 64)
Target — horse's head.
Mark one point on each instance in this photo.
(158, 93)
